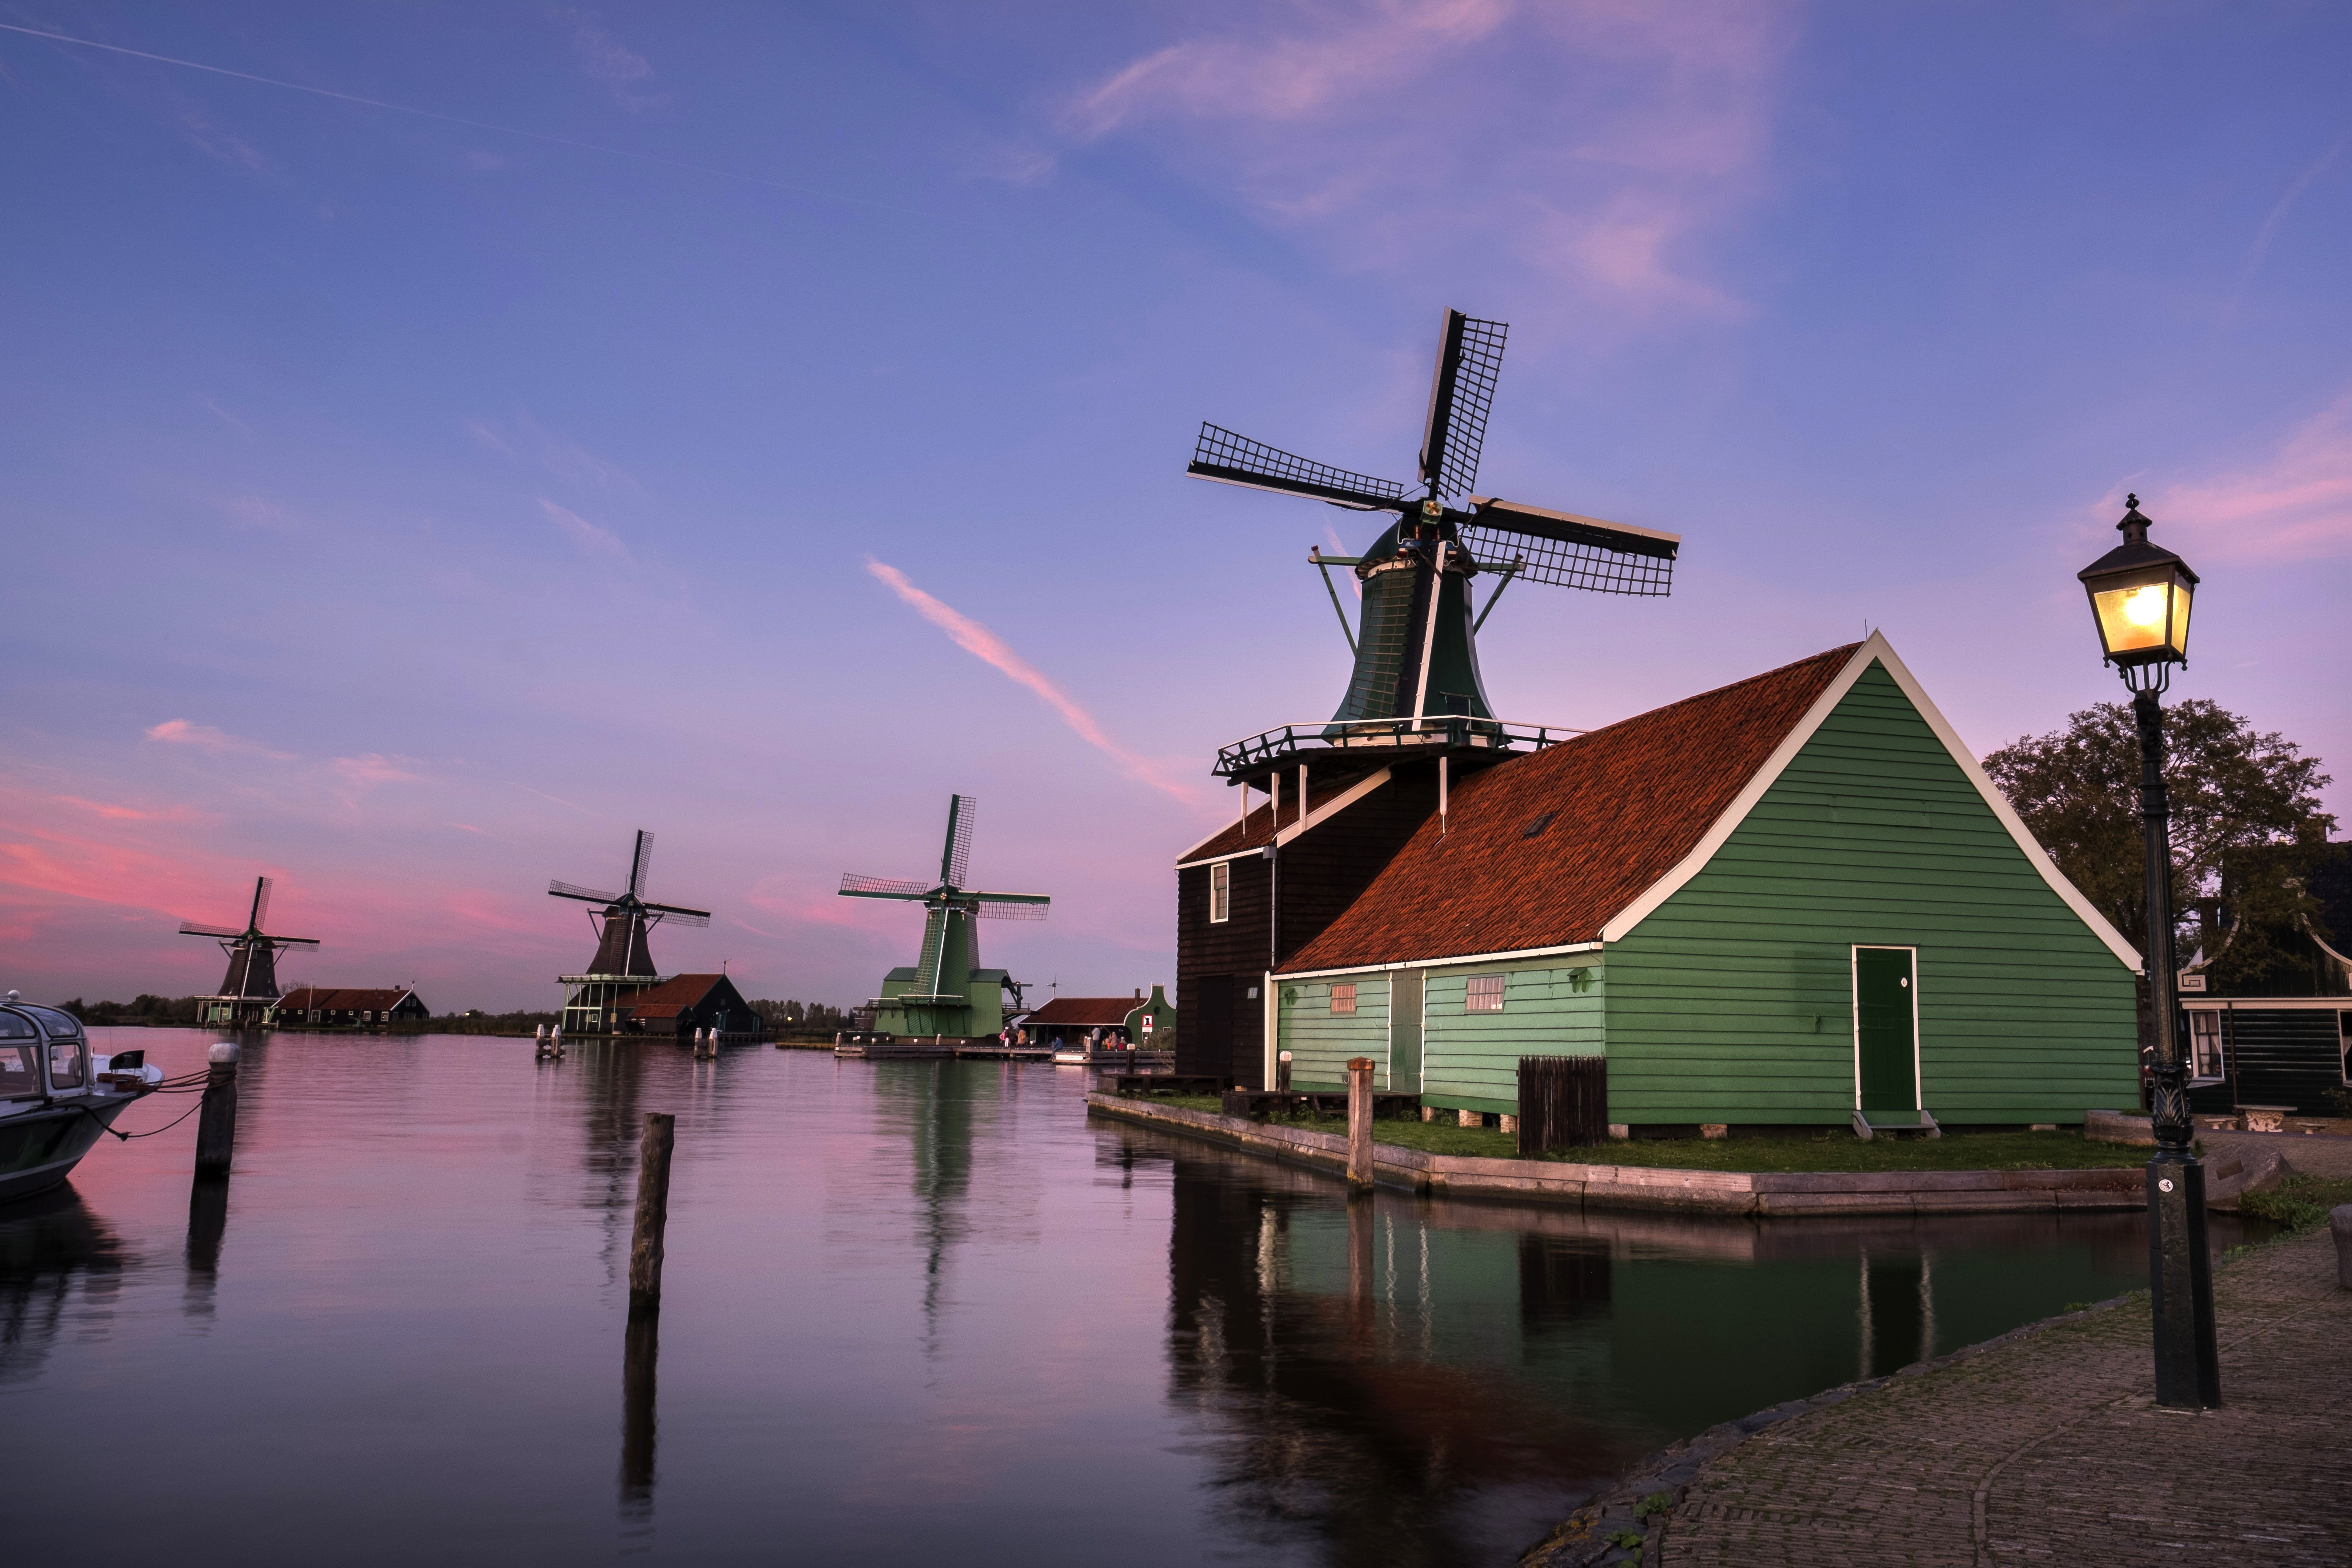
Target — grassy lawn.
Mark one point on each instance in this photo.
(2298, 1203)
(1808, 1149)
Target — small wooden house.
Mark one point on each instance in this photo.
(679, 1006)
(346, 1007)
(1117, 1022)
(1793, 900)
(2280, 1038)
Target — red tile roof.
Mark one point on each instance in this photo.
(1086, 1012)
(679, 991)
(342, 999)
(1540, 851)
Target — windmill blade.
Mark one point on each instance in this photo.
(1233, 459)
(853, 886)
(1570, 550)
(1010, 907)
(585, 895)
(641, 862)
(956, 862)
(1469, 361)
(670, 915)
(261, 885)
(190, 928)
(293, 941)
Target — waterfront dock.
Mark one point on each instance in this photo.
(2043, 1446)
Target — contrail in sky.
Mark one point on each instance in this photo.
(448, 118)
(989, 648)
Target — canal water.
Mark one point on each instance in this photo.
(913, 1313)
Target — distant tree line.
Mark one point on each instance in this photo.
(473, 1021)
(801, 1017)
(162, 1011)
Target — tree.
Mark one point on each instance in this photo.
(2242, 803)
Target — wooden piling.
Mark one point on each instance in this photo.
(641, 1348)
(653, 1208)
(216, 1118)
(1360, 1121)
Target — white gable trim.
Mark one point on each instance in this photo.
(1512, 954)
(1334, 806)
(1876, 647)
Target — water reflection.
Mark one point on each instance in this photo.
(641, 1347)
(59, 1267)
(932, 1108)
(1407, 1381)
(208, 1226)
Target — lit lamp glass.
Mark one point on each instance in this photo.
(2140, 594)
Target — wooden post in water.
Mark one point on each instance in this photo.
(653, 1208)
(1360, 1121)
(216, 1118)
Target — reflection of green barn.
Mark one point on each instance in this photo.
(1789, 901)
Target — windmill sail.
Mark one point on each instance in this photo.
(1233, 459)
(855, 885)
(955, 859)
(1469, 363)
(1570, 550)
(641, 863)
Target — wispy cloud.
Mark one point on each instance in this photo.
(204, 738)
(127, 813)
(991, 649)
(1391, 125)
(524, 439)
(592, 541)
(604, 58)
(254, 513)
(2296, 506)
(2264, 236)
(218, 143)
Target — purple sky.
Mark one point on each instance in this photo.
(471, 434)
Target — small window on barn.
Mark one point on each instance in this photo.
(1220, 892)
(1486, 994)
(1343, 998)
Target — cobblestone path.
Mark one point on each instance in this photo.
(2047, 1448)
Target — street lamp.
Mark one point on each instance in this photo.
(2140, 597)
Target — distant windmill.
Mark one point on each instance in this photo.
(251, 984)
(623, 963)
(945, 993)
(1414, 645)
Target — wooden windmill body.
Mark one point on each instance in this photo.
(249, 989)
(596, 1001)
(945, 996)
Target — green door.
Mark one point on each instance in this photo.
(1404, 1031)
(1886, 1056)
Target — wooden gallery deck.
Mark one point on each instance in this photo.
(1760, 1193)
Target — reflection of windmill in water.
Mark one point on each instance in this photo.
(945, 996)
(251, 984)
(623, 965)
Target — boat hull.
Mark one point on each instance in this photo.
(40, 1149)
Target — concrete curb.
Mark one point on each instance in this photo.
(1769, 1194)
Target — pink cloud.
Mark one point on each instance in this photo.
(991, 649)
(204, 737)
(2297, 506)
(1653, 134)
(127, 813)
(593, 542)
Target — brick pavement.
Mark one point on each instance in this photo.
(2043, 1447)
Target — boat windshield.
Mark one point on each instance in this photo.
(19, 1079)
(69, 1064)
(55, 1022)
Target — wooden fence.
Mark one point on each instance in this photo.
(1563, 1102)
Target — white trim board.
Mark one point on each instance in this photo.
(1875, 648)
(1334, 806)
(1560, 951)
(2266, 1004)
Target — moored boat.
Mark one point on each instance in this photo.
(57, 1096)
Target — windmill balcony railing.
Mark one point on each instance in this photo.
(1435, 733)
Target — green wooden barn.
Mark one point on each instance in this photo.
(1793, 900)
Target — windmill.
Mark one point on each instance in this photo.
(945, 993)
(623, 963)
(1416, 680)
(251, 984)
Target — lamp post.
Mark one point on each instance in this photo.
(2140, 597)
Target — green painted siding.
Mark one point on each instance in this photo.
(1732, 1001)
(1471, 1060)
(1319, 1044)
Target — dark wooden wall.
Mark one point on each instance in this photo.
(2285, 1056)
(1321, 872)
